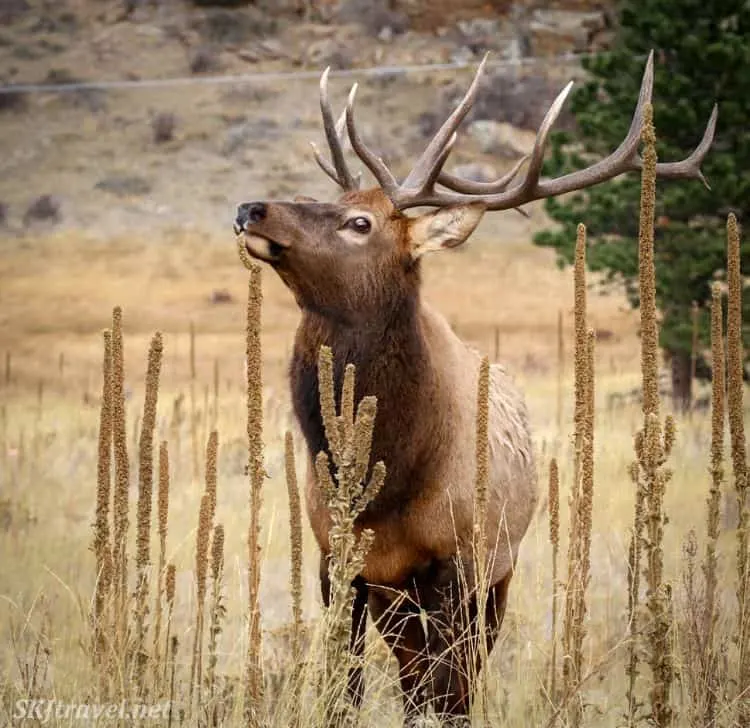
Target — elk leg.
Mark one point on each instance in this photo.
(398, 621)
(356, 685)
(453, 639)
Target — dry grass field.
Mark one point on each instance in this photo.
(56, 297)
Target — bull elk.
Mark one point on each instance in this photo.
(354, 267)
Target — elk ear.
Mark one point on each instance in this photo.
(304, 198)
(447, 227)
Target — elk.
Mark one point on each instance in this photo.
(353, 267)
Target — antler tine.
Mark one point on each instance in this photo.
(426, 165)
(531, 179)
(324, 164)
(437, 168)
(690, 167)
(374, 163)
(338, 171)
(459, 184)
(341, 133)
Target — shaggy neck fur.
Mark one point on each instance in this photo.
(393, 362)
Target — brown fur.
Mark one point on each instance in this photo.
(362, 299)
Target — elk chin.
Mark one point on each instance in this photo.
(262, 248)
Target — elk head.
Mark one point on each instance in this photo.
(360, 255)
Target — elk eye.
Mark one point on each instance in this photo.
(360, 225)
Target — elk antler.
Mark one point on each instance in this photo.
(419, 186)
(338, 171)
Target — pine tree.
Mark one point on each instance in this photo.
(702, 57)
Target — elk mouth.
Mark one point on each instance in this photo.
(261, 247)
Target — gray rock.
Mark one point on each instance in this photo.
(163, 125)
(123, 185)
(476, 172)
(11, 10)
(552, 32)
(494, 137)
(221, 295)
(45, 208)
(329, 52)
(204, 60)
(372, 16)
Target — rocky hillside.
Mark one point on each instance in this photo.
(108, 158)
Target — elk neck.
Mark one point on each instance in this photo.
(394, 362)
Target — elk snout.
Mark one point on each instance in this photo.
(248, 214)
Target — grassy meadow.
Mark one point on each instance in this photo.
(56, 297)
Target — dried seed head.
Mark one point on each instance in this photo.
(295, 533)
(328, 402)
(146, 454)
(217, 552)
(482, 465)
(734, 353)
(646, 275)
(717, 384)
(554, 503)
(364, 427)
(171, 582)
(163, 498)
(122, 468)
(346, 431)
(101, 526)
(579, 278)
(201, 547)
(211, 457)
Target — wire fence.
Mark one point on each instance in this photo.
(271, 76)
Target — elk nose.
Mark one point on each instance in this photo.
(249, 213)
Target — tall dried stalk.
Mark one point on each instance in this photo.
(205, 525)
(579, 542)
(203, 538)
(254, 670)
(172, 664)
(122, 480)
(710, 564)
(702, 609)
(739, 461)
(216, 612)
(646, 270)
(101, 546)
(481, 565)
(579, 355)
(652, 448)
(163, 518)
(212, 454)
(295, 537)
(8, 368)
(349, 443)
(143, 512)
(554, 538)
(170, 585)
